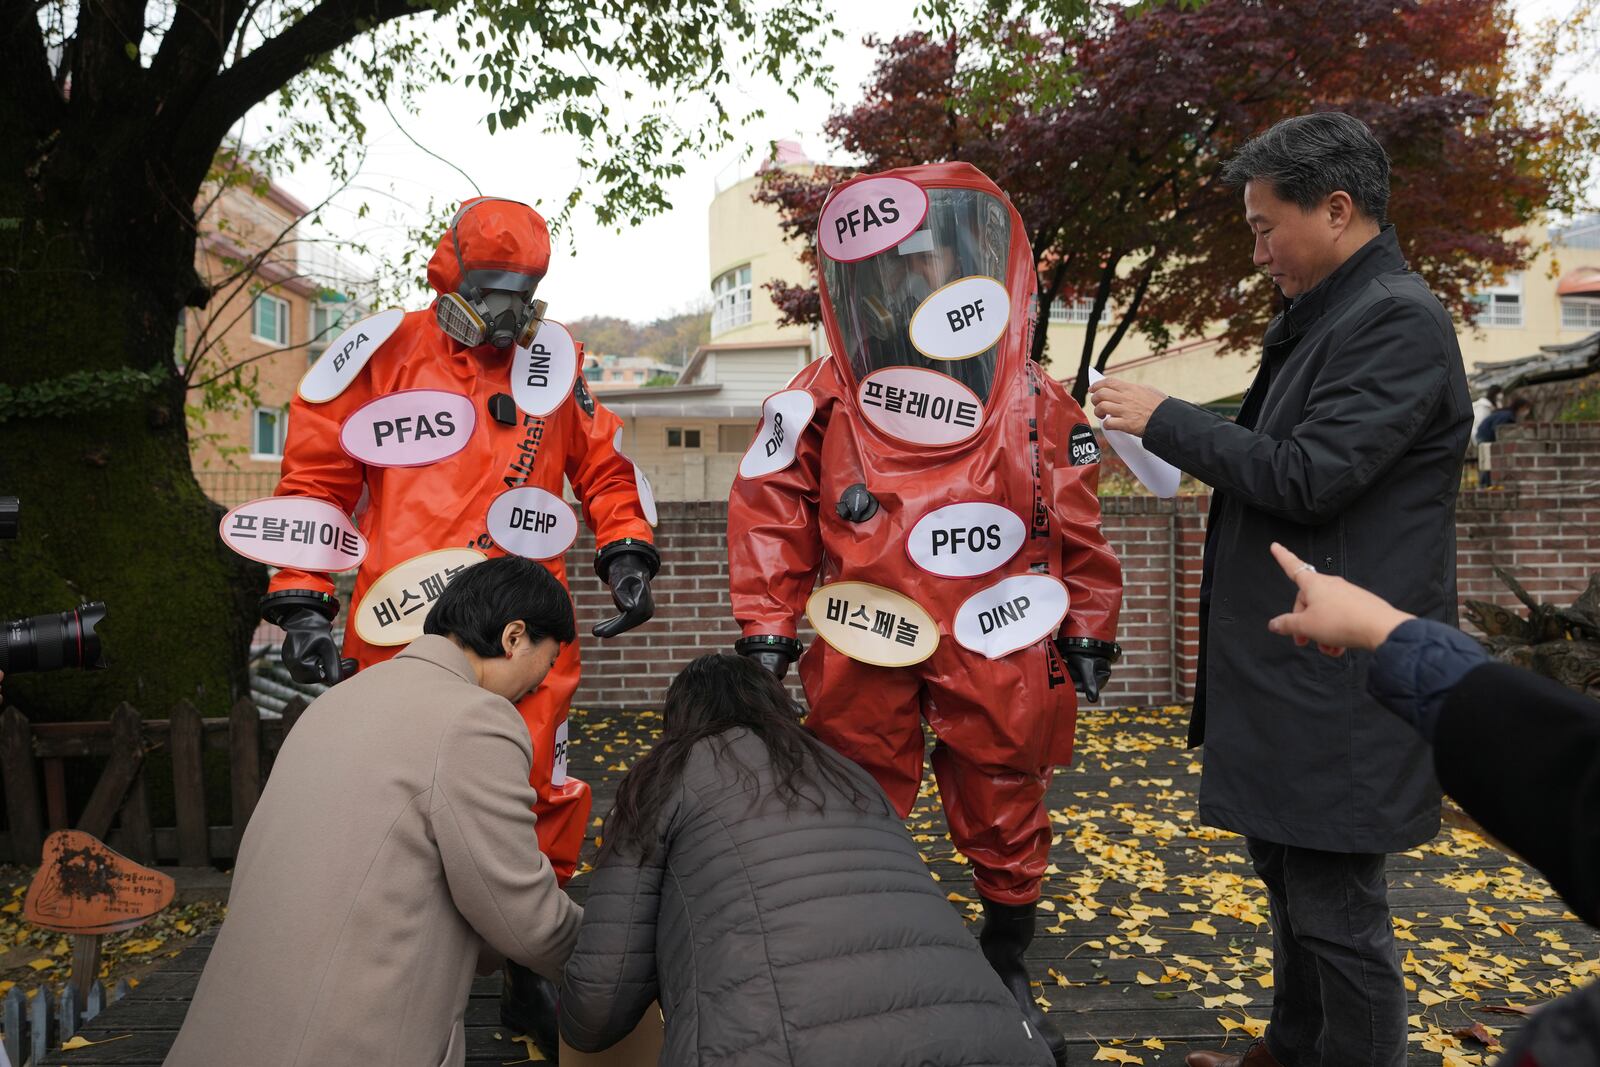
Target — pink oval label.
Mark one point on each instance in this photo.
(544, 373)
(294, 531)
(922, 407)
(868, 216)
(410, 428)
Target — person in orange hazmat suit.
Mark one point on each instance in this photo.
(452, 429)
(940, 491)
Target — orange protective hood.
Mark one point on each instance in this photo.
(494, 234)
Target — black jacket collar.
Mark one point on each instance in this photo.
(1378, 256)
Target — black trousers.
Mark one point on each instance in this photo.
(1338, 997)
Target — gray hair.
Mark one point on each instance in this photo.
(1310, 156)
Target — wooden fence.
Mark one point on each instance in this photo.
(33, 763)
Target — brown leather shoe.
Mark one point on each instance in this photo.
(1254, 1056)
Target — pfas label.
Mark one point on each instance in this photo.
(869, 216)
(409, 428)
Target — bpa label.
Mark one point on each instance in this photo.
(868, 216)
(299, 532)
(393, 609)
(784, 417)
(962, 319)
(919, 406)
(965, 540)
(543, 374)
(342, 360)
(529, 521)
(1013, 613)
(410, 428)
(872, 624)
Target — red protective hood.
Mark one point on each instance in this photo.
(1019, 282)
(494, 234)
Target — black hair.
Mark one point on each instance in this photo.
(485, 598)
(1308, 157)
(710, 696)
(1494, 393)
(1517, 403)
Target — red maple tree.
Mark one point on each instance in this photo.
(1118, 181)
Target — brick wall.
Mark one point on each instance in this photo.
(1541, 522)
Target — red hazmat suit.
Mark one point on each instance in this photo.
(445, 504)
(929, 400)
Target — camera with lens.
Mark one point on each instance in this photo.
(48, 642)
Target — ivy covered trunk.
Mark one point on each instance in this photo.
(92, 433)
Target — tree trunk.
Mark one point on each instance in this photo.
(110, 507)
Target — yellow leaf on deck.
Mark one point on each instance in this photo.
(1144, 979)
(1047, 905)
(1116, 1055)
(1201, 926)
(12, 908)
(1429, 998)
(41, 964)
(1155, 1043)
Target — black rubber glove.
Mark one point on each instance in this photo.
(1089, 672)
(771, 652)
(1089, 662)
(309, 650)
(628, 574)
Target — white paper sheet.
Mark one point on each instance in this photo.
(1154, 473)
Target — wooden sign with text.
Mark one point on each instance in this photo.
(83, 887)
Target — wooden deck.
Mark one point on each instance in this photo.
(1158, 935)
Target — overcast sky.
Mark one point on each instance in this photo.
(644, 272)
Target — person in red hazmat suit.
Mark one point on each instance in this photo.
(453, 427)
(939, 492)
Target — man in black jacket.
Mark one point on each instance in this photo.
(1348, 448)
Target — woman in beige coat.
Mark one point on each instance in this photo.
(392, 847)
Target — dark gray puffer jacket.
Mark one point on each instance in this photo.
(785, 937)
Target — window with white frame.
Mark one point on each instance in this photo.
(269, 319)
(731, 300)
(1077, 311)
(267, 432)
(1501, 304)
(1580, 313)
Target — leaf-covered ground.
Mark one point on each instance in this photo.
(1154, 938)
(31, 958)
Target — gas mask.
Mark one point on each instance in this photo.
(493, 307)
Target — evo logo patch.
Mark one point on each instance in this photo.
(1085, 449)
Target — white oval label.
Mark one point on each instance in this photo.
(344, 357)
(784, 417)
(872, 624)
(532, 522)
(965, 540)
(410, 428)
(922, 407)
(647, 495)
(542, 375)
(392, 611)
(558, 767)
(294, 531)
(1012, 613)
(962, 319)
(868, 216)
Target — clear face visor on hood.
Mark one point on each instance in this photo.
(936, 300)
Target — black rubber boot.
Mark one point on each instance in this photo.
(1007, 932)
(528, 1006)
